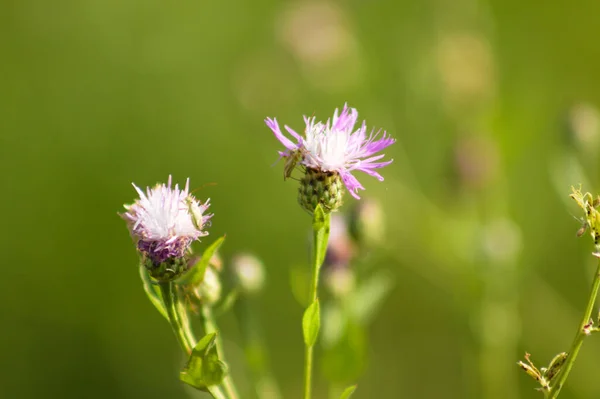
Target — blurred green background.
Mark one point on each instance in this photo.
(492, 103)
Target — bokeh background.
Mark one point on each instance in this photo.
(493, 104)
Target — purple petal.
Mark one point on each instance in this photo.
(293, 133)
(351, 183)
(346, 119)
(370, 172)
(274, 126)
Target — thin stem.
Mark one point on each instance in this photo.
(210, 326)
(321, 225)
(170, 300)
(181, 327)
(578, 341)
(216, 393)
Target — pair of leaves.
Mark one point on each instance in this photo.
(204, 368)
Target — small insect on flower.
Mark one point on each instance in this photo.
(337, 147)
(292, 161)
(195, 211)
(164, 221)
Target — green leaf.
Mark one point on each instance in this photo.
(321, 226)
(195, 275)
(204, 368)
(348, 392)
(153, 292)
(311, 322)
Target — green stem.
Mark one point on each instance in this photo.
(169, 296)
(321, 225)
(579, 337)
(210, 326)
(181, 326)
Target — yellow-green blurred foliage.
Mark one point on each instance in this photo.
(484, 98)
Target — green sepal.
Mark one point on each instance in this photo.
(321, 226)
(204, 368)
(195, 275)
(153, 291)
(311, 322)
(348, 392)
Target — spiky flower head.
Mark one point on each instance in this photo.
(330, 152)
(164, 222)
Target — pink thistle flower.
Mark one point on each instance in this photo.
(164, 221)
(335, 146)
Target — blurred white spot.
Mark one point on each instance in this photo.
(319, 36)
(476, 161)
(584, 121)
(502, 240)
(262, 79)
(466, 67)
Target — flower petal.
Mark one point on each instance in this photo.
(274, 126)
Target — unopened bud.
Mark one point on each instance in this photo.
(208, 292)
(249, 273)
(555, 365)
(533, 371)
(320, 187)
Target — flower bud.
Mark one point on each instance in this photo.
(206, 293)
(249, 273)
(320, 187)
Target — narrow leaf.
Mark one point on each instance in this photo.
(311, 322)
(348, 392)
(321, 225)
(153, 292)
(196, 274)
(204, 368)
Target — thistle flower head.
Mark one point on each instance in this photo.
(164, 221)
(335, 147)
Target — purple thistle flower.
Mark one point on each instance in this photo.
(164, 221)
(336, 147)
